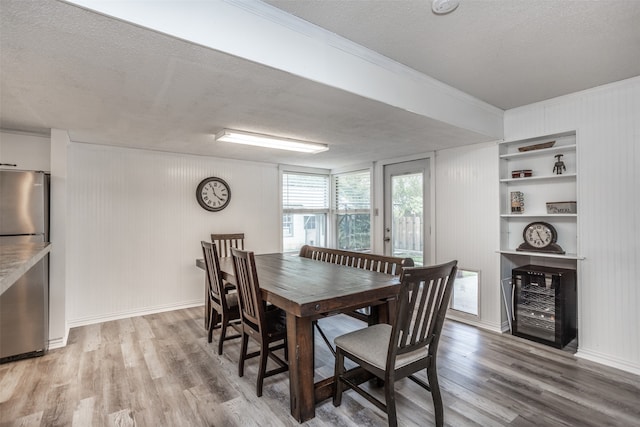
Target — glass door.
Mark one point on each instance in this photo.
(406, 217)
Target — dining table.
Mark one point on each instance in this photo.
(308, 290)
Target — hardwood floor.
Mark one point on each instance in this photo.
(159, 370)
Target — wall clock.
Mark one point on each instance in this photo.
(213, 194)
(540, 237)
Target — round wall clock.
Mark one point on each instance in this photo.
(213, 194)
(540, 237)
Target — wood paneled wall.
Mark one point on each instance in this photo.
(134, 227)
(607, 122)
(467, 220)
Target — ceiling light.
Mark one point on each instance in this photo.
(248, 138)
(442, 7)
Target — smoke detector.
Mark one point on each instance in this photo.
(442, 7)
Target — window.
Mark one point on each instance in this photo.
(287, 225)
(305, 206)
(309, 222)
(353, 210)
(465, 292)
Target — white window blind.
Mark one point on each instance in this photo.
(305, 193)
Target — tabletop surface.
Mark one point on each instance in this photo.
(307, 287)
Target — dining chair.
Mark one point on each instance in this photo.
(224, 311)
(391, 353)
(225, 242)
(265, 324)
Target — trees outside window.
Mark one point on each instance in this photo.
(352, 210)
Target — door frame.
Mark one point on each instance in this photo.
(378, 201)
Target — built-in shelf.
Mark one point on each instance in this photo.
(540, 215)
(541, 152)
(564, 176)
(544, 186)
(541, 254)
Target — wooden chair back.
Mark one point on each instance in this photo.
(213, 272)
(221, 310)
(225, 242)
(422, 305)
(412, 341)
(266, 326)
(366, 261)
(249, 297)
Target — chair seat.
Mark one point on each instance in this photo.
(232, 300)
(372, 344)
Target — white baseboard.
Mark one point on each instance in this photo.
(74, 323)
(473, 322)
(607, 360)
(58, 342)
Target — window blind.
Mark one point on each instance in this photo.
(305, 193)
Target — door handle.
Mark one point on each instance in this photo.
(387, 239)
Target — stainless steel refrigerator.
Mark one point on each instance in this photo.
(24, 307)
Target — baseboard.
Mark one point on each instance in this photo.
(59, 342)
(473, 322)
(607, 360)
(133, 313)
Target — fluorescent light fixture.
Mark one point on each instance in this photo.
(248, 138)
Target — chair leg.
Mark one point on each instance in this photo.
(213, 320)
(390, 400)
(223, 333)
(243, 354)
(432, 375)
(264, 355)
(339, 370)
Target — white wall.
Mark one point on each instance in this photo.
(58, 225)
(467, 221)
(134, 227)
(607, 121)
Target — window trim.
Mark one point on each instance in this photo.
(463, 314)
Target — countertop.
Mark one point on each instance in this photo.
(15, 260)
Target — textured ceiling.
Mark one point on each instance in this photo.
(111, 82)
(508, 53)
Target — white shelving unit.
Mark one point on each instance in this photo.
(543, 186)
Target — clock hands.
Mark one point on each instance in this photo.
(216, 194)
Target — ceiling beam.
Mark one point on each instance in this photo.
(258, 32)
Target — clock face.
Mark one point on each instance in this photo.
(539, 234)
(213, 194)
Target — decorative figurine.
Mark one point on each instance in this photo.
(559, 167)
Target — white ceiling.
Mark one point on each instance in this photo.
(508, 53)
(111, 82)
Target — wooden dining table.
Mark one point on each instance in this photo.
(308, 290)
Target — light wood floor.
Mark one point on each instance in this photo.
(158, 370)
